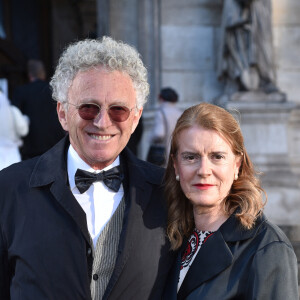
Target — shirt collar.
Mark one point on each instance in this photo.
(74, 162)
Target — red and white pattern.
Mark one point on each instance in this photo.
(196, 240)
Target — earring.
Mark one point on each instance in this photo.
(236, 176)
(177, 177)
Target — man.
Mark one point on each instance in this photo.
(34, 100)
(63, 239)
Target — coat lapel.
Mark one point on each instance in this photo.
(64, 196)
(138, 189)
(213, 257)
(51, 170)
(170, 292)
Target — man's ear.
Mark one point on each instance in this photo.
(136, 119)
(62, 115)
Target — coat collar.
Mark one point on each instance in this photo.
(51, 166)
(215, 256)
(233, 231)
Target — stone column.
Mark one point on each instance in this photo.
(149, 46)
(123, 21)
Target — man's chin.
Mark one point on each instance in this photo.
(99, 162)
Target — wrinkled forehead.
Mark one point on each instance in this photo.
(198, 136)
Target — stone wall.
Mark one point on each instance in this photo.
(286, 32)
(189, 38)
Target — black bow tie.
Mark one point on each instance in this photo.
(111, 178)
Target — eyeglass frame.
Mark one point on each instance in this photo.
(100, 108)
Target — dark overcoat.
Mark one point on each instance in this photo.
(45, 247)
(240, 264)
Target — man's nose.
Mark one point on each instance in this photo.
(102, 119)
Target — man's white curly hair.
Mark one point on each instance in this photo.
(108, 53)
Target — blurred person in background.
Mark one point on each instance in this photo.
(13, 126)
(35, 100)
(164, 121)
(227, 248)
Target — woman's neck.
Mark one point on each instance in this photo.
(209, 219)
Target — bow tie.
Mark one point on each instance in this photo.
(111, 178)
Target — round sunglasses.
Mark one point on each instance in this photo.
(89, 111)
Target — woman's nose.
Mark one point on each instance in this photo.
(204, 168)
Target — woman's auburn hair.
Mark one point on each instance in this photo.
(244, 198)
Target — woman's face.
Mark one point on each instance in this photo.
(206, 166)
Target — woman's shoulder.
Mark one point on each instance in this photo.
(269, 233)
(263, 233)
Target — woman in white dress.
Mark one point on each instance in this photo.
(13, 125)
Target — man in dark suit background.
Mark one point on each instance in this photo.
(86, 220)
(35, 100)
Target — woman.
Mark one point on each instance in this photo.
(13, 126)
(227, 249)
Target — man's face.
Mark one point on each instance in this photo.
(99, 141)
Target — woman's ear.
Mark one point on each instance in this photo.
(175, 164)
(238, 163)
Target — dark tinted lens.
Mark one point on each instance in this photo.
(88, 111)
(118, 113)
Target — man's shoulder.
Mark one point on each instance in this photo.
(45, 165)
(143, 169)
(16, 178)
(151, 170)
(17, 171)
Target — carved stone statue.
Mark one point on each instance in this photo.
(246, 59)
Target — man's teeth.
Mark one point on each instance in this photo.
(101, 137)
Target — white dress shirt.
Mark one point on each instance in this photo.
(98, 202)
